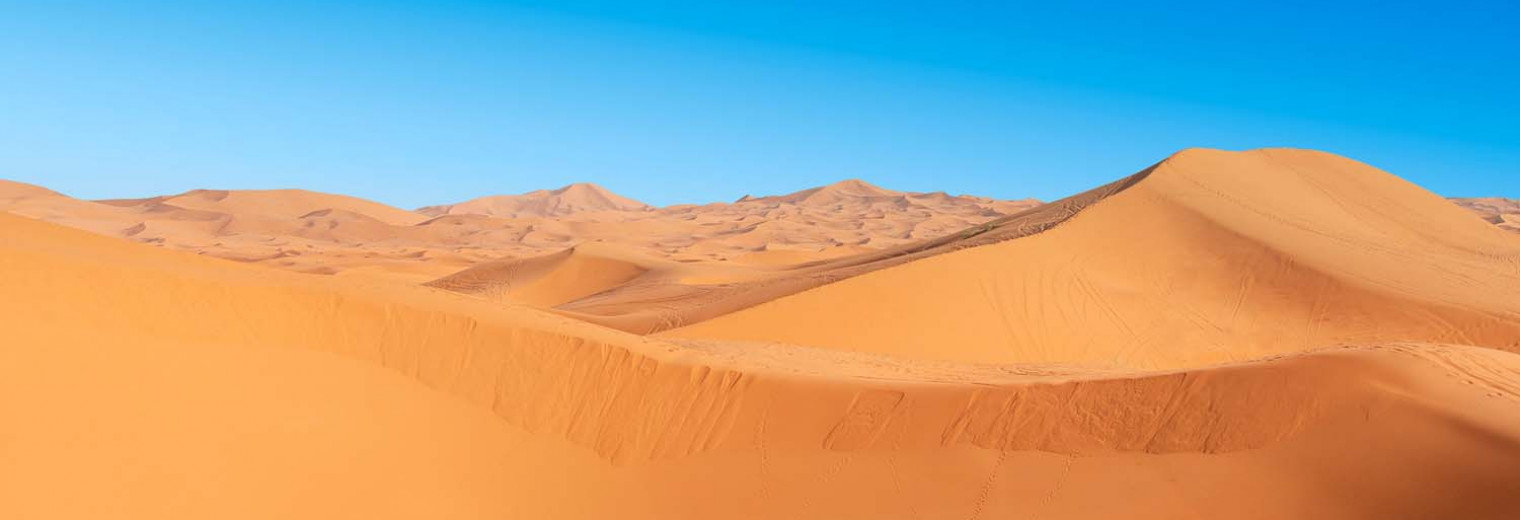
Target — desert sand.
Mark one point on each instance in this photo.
(1264, 334)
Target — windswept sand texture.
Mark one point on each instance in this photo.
(1266, 334)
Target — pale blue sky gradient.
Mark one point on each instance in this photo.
(417, 103)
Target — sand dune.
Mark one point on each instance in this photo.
(652, 305)
(488, 411)
(1207, 257)
(45, 204)
(18, 190)
(274, 204)
(647, 308)
(576, 198)
(552, 279)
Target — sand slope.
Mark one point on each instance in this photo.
(1208, 257)
(321, 396)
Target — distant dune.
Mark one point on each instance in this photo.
(1504, 213)
(273, 205)
(576, 198)
(1265, 334)
(320, 233)
(553, 279)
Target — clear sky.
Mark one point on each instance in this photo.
(425, 102)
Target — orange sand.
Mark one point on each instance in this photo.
(1269, 334)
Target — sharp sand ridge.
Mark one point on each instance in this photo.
(144, 382)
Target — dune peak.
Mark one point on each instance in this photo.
(574, 198)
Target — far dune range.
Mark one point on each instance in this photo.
(322, 233)
(1265, 334)
(1501, 212)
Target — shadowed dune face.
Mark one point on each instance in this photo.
(1173, 343)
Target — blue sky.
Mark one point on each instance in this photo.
(415, 103)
